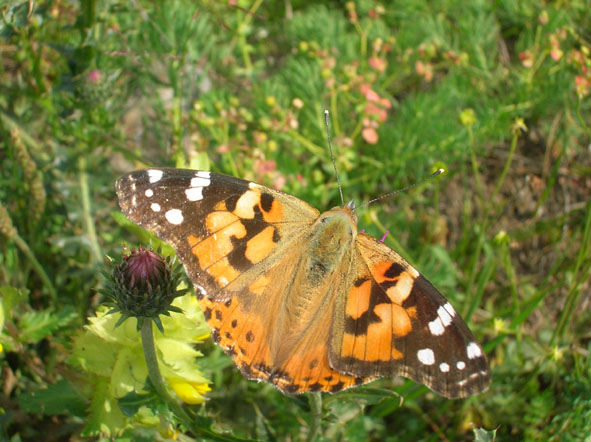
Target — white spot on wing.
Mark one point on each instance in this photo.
(473, 350)
(203, 174)
(200, 182)
(426, 356)
(413, 272)
(174, 216)
(155, 207)
(155, 175)
(436, 327)
(444, 315)
(194, 193)
(447, 306)
(201, 289)
(461, 365)
(444, 367)
(149, 193)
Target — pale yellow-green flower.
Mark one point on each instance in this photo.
(115, 356)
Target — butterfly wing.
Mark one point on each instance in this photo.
(391, 321)
(270, 341)
(226, 231)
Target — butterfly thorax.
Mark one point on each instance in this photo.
(333, 237)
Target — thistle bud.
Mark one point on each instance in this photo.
(143, 286)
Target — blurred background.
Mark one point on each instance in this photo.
(497, 93)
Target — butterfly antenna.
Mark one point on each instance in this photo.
(404, 189)
(334, 164)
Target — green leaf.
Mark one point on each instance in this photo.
(105, 416)
(131, 402)
(143, 236)
(59, 398)
(35, 326)
(10, 296)
(482, 435)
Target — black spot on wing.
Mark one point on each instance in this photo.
(395, 270)
(267, 201)
(360, 325)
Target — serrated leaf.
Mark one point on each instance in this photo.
(34, 326)
(131, 402)
(10, 296)
(59, 398)
(105, 416)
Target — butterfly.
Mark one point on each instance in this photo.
(299, 298)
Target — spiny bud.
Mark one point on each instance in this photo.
(143, 286)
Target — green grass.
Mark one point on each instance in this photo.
(497, 93)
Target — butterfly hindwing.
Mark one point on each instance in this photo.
(225, 230)
(269, 342)
(393, 322)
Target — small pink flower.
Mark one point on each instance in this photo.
(370, 95)
(378, 64)
(385, 103)
(425, 70)
(526, 58)
(372, 109)
(263, 167)
(555, 51)
(370, 135)
(224, 148)
(94, 76)
(582, 86)
(279, 182)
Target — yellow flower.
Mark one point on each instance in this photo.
(113, 357)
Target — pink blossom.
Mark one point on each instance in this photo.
(370, 135)
(378, 64)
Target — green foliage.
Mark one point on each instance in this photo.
(497, 93)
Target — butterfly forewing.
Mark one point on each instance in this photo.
(392, 321)
(225, 230)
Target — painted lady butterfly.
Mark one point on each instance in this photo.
(299, 298)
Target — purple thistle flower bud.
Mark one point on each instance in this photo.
(144, 285)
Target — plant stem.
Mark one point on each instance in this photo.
(316, 414)
(578, 275)
(156, 377)
(86, 209)
(505, 169)
(36, 265)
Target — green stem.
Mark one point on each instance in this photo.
(475, 167)
(156, 377)
(505, 169)
(36, 265)
(88, 220)
(578, 277)
(316, 414)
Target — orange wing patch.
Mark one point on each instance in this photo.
(404, 281)
(261, 245)
(223, 227)
(374, 314)
(243, 335)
